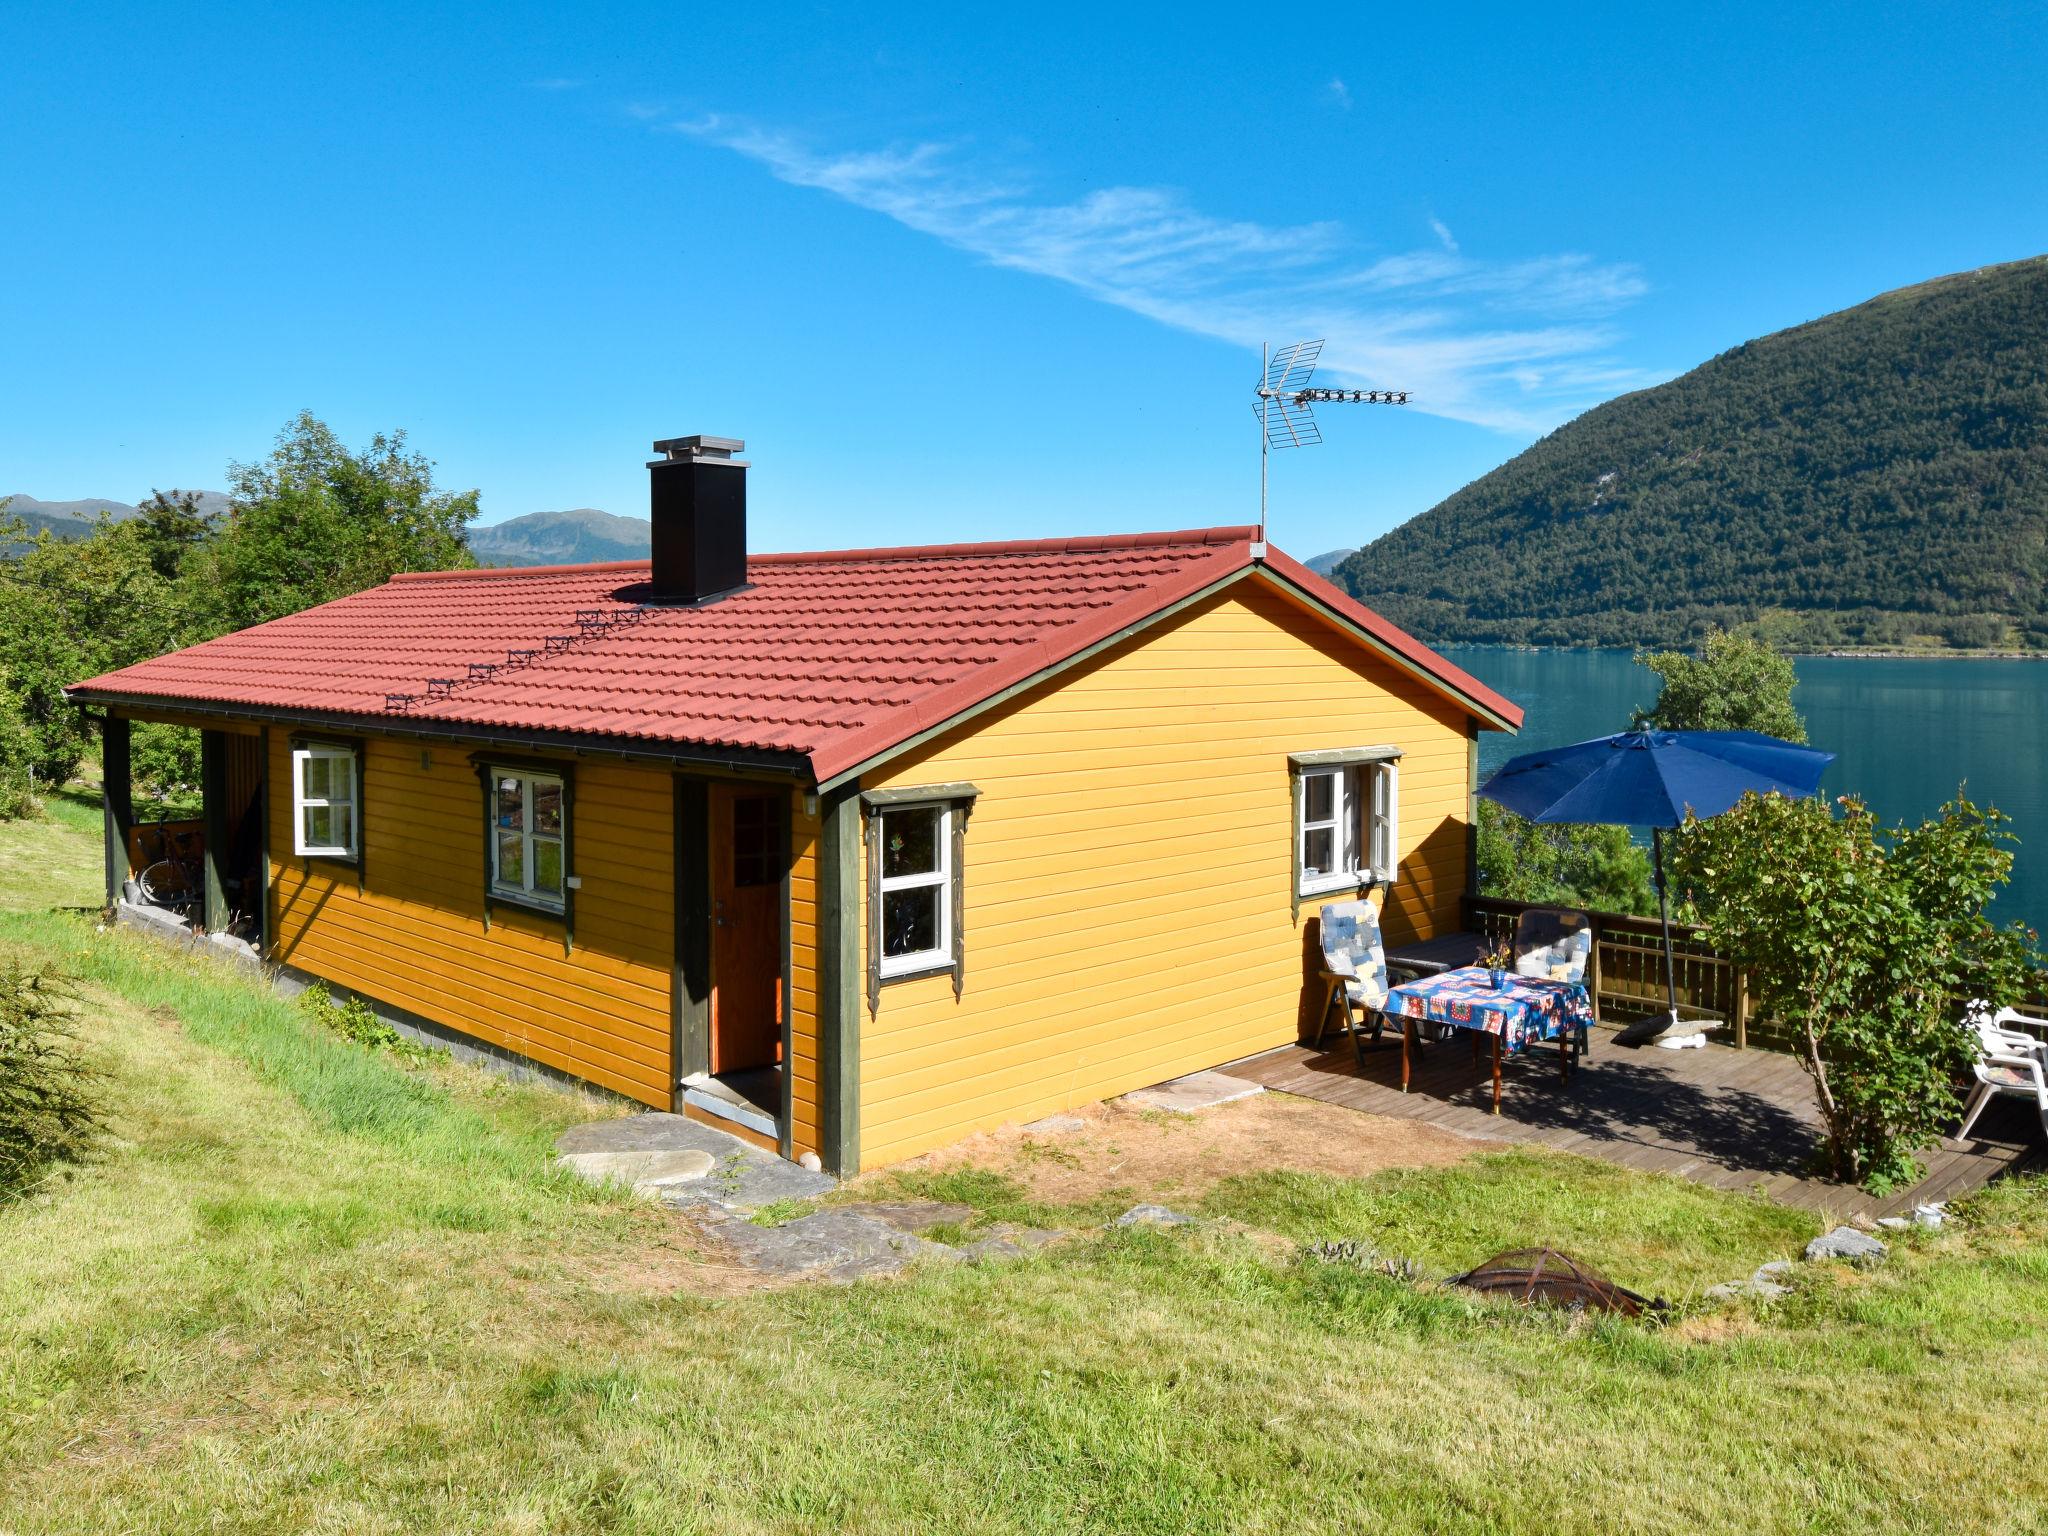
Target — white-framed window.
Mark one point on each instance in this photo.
(1346, 828)
(324, 811)
(1382, 840)
(529, 831)
(916, 874)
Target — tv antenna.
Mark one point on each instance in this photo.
(1284, 398)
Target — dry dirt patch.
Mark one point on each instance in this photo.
(1158, 1155)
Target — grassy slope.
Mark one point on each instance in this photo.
(302, 1288)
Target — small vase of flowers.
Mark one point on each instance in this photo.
(1499, 960)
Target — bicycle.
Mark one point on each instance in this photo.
(176, 881)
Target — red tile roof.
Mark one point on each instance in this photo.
(832, 657)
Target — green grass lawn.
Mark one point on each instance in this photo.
(300, 1287)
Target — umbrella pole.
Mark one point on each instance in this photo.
(1664, 912)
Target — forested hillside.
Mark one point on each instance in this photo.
(1876, 477)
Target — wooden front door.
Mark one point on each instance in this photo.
(749, 852)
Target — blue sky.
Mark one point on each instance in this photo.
(955, 273)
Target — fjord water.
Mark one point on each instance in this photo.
(1905, 730)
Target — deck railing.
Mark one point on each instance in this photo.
(1626, 972)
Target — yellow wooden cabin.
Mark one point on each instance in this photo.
(853, 853)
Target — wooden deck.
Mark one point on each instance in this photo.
(1733, 1119)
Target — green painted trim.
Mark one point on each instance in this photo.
(117, 801)
(957, 894)
(872, 838)
(1472, 813)
(213, 797)
(265, 927)
(917, 795)
(1343, 757)
(691, 995)
(959, 799)
(839, 971)
(552, 767)
(1294, 846)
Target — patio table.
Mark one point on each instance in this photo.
(1527, 1011)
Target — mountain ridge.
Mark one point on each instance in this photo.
(1875, 477)
(75, 519)
(577, 536)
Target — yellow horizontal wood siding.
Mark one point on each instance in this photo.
(412, 933)
(804, 1099)
(1127, 868)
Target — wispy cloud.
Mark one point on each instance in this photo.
(1340, 93)
(556, 83)
(1518, 346)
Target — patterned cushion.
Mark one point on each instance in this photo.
(1352, 949)
(1553, 943)
(2008, 1077)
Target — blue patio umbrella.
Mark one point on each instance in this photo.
(1651, 778)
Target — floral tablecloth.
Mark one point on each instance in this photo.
(1531, 1009)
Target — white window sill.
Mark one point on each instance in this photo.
(928, 963)
(1333, 885)
(528, 901)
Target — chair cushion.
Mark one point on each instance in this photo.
(1553, 944)
(1352, 949)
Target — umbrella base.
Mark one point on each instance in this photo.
(1662, 1026)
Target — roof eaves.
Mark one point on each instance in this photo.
(656, 749)
(1086, 544)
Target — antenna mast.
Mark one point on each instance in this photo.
(1284, 398)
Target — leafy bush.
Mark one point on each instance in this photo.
(1866, 944)
(355, 1021)
(46, 1114)
(1598, 868)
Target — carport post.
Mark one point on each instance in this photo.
(117, 799)
(213, 790)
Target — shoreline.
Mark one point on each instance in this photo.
(1834, 655)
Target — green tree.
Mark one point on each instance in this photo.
(17, 783)
(169, 527)
(74, 609)
(1594, 867)
(1866, 945)
(1734, 683)
(312, 522)
(315, 521)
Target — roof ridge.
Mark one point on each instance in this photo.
(1181, 538)
(489, 572)
(1079, 544)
